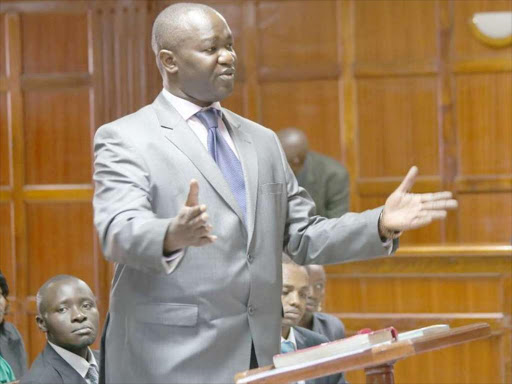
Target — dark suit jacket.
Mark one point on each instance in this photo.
(328, 325)
(12, 349)
(305, 339)
(327, 182)
(50, 367)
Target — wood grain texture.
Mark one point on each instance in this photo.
(313, 108)
(61, 43)
(57, 138)
(5, 153)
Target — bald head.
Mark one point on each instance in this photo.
(173, 24)
(295, 146)
(44, 295)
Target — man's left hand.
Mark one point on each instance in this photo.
(404, 210)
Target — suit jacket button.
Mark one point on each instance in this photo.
(250, 310)
(250, 258)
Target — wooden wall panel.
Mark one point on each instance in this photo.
(420, 286)
(4, 142)
(483, 116)
(395, 31)
(289, 33)
(3, 46)
(64, 230)
(55, 51)
(312, 106)
(57, 136)
(485, 217)
(7, 259)
(397, 126)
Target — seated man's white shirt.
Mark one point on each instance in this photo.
(78, 363)
(291, 338)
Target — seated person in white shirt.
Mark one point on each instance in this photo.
(67, 313)
(294, 295)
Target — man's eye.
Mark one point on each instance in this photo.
(211, 49)
(229, 47)
(62, 310)
(87, 305)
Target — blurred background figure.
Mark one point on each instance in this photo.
(12, 348)
(314, 319)
(324, 178)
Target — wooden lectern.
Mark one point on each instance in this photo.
(378, 361)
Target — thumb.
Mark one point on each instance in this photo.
(193, 194)
(409, 180)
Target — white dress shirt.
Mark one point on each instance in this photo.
(78, 363)
(291, 338)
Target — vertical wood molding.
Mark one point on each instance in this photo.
(15, 124)
(250, 41)
(446, 114)
(348, 99)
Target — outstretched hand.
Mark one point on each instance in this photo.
(190, 227)
(404, 210)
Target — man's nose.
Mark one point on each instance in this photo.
(78, 315)
(294, 299)
(227, 57)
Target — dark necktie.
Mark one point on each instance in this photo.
(225, 158)
(92, 375)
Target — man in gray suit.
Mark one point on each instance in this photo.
(195, 204)
(324, 178)
(328, 325)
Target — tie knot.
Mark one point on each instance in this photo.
(208, 117)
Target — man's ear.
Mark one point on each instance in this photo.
(41, 323)
(168, 61)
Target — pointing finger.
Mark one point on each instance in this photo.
(409, 180)
(193, 194)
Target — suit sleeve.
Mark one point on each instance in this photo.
(338, 192)
(311, 239)
(129, 231)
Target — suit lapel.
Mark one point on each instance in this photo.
(66, 371)
(179, 133)
(249, 160)
(299, 338)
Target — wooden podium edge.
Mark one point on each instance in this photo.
(372, 357)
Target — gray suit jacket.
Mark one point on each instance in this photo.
(305, 339)
(327, 181)
(196, 325)
(328, 325)
(12, 349)
(50, 368)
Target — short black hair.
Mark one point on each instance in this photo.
(3, 285)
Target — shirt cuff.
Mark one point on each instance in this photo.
(388, 245)
(170, 262)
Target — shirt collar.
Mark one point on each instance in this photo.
(291, 338)
(185, 108)
(78, 363)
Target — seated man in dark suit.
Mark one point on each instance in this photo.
(328, 325)
(293, 297)
(324, 178)
(67, 313)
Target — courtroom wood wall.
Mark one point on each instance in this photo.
(378, 84)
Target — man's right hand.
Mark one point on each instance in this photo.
(190, 227)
